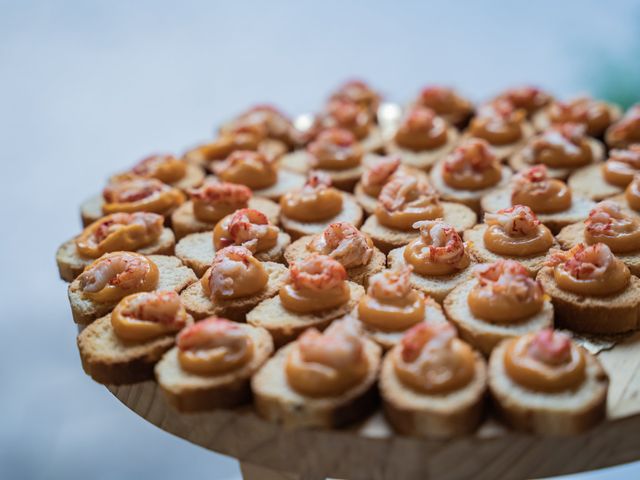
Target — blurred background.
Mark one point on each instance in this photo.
(89, 87)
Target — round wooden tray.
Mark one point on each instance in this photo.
(371, 450)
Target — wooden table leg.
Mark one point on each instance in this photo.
(256, 472)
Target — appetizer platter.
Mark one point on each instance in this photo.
(434, 289)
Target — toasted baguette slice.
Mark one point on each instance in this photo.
(437, 287)
(457, 215)
(504, 152)
(91, 210)
(197, 251)
(470, 198)
(579, 210)
(173, 276)
(563, 413)
(193, 177)
(277, 402)
(475, 243)
(299, 162)
(387, 339)
(189, 392)
(521, 161)
(184, 222)
(608, 314)
(71, 263)
(425, 159)
(433, 415)
(360, 274)
(200, 305)
(573, 234)
(285, 326)
(483, 334)
(351, 213)
(112, 361)
(589, 182)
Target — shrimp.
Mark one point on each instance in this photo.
(347, 112)
(247, 226)
(216, 333)
(436, 336)
(508, 277)
(147, 167)
(339, 346)
(515, 221)
(221, 192)
(317, 272)
(550, 347)
(125, 270)
(502, 111)
(257, 160)
(474, 154)
(228, 264)
(419, 119)
(359, 92)
(316, 181)
(162, 307)
(526, 96)
(391, 284)
(381, 171)
(347, 244)
(534, 178)
(581, 262)
(402, 191)
(608, 218)
(152, 223)
(566, 136)
(578, 110)
(133, 190)
(441, 241)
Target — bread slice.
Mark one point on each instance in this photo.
(457, 215)
(299, 162)
(287, 181)
(622, 201)
(184, 222)
(71, 263)
(483, 334)
(573, 234)
(563, 413)
(285, 326)
(433, 415)
(112, 361)
(504, 152)
(194, 176)
(520, 161)
(173, 276)
(298, 251)
(200, 305)
(388, 339)
(424, 159)
(437, 287)
(475, 244)
(189, 392)
(277, 402)
(351, 213)
(579, 210)
(608, 314)
(197, 251)
(589, 182)
(470, 198)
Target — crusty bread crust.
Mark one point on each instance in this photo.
(470, 198)
(351, 213)
(285, 326)
(71, 263)
(298, 251)
(485, 335)
(579, 210)
(277, 402)
(197, 251)
(519, 161)
(563, 413)
(433, 314)
(589, 182)
(189, 392)
(616, 313)
(184, 222)
(200, 305)
(437, 287)
(476, 247)
(112, 361)
(573, 234)
(425, 159)
(457, 215)
(437, 416)
(173, 276)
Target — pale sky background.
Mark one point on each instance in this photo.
(89, 87)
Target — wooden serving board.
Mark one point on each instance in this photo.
(371, 450)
